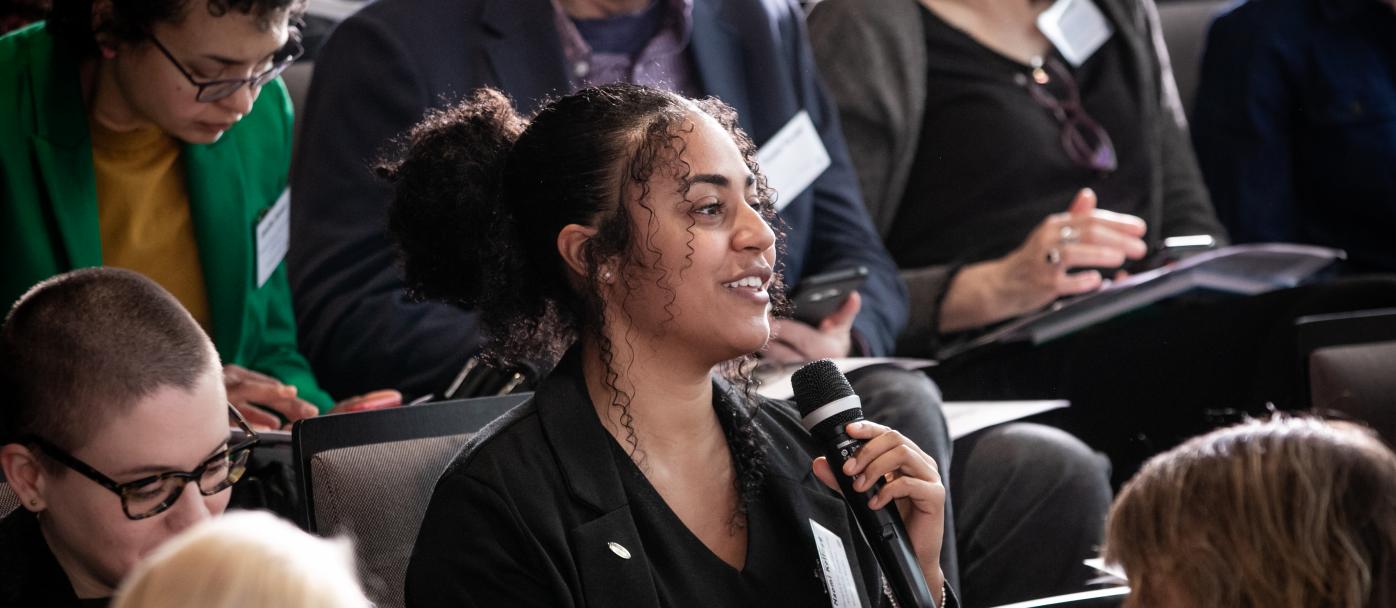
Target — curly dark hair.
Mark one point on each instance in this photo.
(130, 21)
(481, 194)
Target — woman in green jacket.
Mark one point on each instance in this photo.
(155, 136)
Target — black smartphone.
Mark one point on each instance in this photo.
(1175, 248)
(819, 296)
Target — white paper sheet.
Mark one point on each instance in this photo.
(963, 417)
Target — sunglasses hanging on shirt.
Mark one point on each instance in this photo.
(1085, 142)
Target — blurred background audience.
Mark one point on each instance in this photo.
(1295, 124)
(1007, 166)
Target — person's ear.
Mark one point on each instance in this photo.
(25, 474)
(571, 245)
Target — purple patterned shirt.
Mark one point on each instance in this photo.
(662, 63)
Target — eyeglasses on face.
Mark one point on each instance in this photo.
(214, 90)
(149, 496)
(1084, 140)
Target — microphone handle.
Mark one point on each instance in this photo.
(883, 529)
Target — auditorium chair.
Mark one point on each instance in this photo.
(8, 500)
(297, 80)
(1350, 362)
(1185, 24)
(369, 476)
(270, 483)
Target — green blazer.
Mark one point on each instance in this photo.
(48, 203)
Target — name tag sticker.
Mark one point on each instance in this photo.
(273, 237)
(793, 159)
(833, 566)
(1076, 27)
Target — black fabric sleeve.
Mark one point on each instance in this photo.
(474, 550)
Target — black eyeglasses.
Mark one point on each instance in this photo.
(1086, 143)
(214, 90)
(150, 496)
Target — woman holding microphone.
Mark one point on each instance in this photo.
(630, 229)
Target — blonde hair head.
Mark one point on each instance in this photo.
(1286, 512)
(244, 560)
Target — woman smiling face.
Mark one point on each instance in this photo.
(704, 249)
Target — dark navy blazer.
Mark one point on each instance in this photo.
(1295, 124)
(386, 65)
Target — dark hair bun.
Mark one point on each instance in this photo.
(446, 205)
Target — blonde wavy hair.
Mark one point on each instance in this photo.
(244, 560)
(1278, 513)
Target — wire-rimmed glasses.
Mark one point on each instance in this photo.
(214, 90)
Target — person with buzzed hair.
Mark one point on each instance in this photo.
(114, 433)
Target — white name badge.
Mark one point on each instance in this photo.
(1076, 28)
(833, 566)
(273, 237)
(793, 159)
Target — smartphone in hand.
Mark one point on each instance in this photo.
(1175, 248)
(820, 295)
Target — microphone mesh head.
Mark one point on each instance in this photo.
(817, 384)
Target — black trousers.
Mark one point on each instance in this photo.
(1142, 383)
(1027, 502)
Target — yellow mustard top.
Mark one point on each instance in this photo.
(143, 212)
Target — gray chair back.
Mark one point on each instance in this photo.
(1185, 24)
(1349, 361)
(1359, 381)
(297, 79)
(9, 501)
(369, 476)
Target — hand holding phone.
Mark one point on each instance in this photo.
(820, 295)
(1175, 248)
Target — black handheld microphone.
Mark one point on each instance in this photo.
(827, 404)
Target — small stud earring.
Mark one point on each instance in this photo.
(33, 502)
(606, 276)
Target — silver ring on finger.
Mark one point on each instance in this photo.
(1069, 234)
(1054, 257)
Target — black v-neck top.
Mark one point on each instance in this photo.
(687, 573)
(990, 163)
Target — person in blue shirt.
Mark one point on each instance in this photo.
(1295, 124)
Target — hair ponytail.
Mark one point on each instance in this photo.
(447, 217)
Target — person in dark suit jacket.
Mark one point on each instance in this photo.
(1295, 125)
(632, 227)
